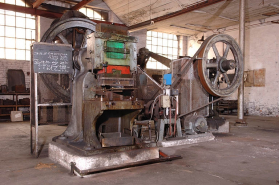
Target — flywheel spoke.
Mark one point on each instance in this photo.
(226, 78)
(216, 78)
(216, 51)
(226, 51)
(62, 38)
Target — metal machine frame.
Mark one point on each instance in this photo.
(113, 109)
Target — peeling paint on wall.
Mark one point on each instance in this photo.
(252, 108)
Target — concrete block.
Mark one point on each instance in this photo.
(16, 116)
(191, 139)
(225, 128)
(64, 155)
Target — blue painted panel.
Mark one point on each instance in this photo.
(167, 79)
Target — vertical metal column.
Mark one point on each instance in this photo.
(240, 110)
(34, 130)
(36, 148)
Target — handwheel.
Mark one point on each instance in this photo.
(72, 28)
(220, 65)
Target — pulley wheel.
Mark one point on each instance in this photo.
(72, 28)
(220, 65)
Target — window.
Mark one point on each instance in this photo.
(163, 44)
(95, 14)
(17, 32)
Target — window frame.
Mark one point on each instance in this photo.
(21, 45)
(163, 44)
(102, 13)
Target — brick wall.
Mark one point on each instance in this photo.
(14, 64)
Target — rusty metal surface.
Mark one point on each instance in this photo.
(15, 77)
(116, 37)
(111, 134)
(192, 94)
(120, 105)
(91, 112)
(106, 28)
(117, 141)
(148, 88)
(259, 78)
(156, 83)
(249, 78)
(113, 81)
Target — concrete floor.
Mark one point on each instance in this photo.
(247, 155)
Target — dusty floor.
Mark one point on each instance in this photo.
(248, 155)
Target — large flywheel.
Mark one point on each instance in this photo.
(72, 28)
(220, 65)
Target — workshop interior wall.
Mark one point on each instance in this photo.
(14, 64)
(141, 35)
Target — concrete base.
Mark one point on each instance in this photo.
(225, 128)
(64, 155)
(191, 139)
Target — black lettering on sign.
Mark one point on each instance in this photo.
(52, 58)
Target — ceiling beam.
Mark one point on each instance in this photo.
(37, 3)
(81, 4)
(31, 11)
(174, 14)
(42, 13)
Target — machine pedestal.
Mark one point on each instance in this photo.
(190, 139)
(163, 122)
(64, 156)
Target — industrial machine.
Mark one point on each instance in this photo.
(213, 73)
(119, 113)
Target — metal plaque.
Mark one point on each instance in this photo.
(52, 58)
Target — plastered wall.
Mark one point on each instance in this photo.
(141, 35)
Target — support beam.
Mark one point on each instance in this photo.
(81, 4)
(37, 3)
(31, 11)
(42, 13)
(240, 110)
(174, 14)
